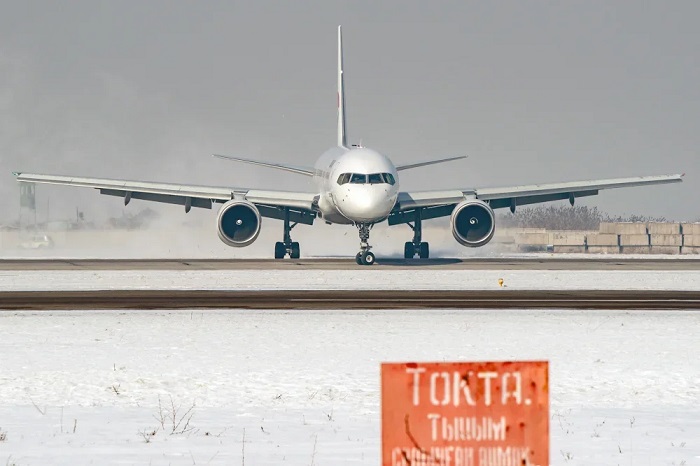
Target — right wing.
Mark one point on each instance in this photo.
(441, 203)
(270, 203)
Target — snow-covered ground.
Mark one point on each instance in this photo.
(353, 278)
(302, 387)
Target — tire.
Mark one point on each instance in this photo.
(358, 258)
(280, 250)
(408, 250)
(296, 252)
(367, 258)
(424, 251)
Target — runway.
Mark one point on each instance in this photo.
(351, 299)
(529, 263)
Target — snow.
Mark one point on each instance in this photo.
(80, 388)
(356, 278)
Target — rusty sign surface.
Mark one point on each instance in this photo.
(465, 414)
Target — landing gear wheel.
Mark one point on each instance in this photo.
(280, 250)
(367, 258)
(408, 250)
(424, 252)
(358, 258)
(296, 252)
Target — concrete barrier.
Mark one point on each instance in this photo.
(664, 228)
(567, 238)
(666, 240)
(634, 240)
(568, 249)
(690, 228)
(623, 228)
(635, 249)
(602, 239)
(603, 249)
(665, 249)
(537, 239)
(691, 240)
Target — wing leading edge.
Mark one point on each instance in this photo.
(187, 195)
(533, 194)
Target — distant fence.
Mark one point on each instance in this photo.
(611, 238)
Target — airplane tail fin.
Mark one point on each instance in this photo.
(342, 139)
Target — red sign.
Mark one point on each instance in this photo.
(465, 414)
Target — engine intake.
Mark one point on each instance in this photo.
(473, 223)
(238, 223)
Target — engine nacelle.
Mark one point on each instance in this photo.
(238, 223)
(473, 223)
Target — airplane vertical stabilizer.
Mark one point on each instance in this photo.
(342, 140)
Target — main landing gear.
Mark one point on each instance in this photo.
(287, 246)
(417, 246)
(365, 256)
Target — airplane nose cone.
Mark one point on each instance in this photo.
(366, 204)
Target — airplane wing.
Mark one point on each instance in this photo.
(441, 203)
(190, 196)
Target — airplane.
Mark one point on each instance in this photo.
(356, 186)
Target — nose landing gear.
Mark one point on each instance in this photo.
(365, 256)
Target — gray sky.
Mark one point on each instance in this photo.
(532, 91)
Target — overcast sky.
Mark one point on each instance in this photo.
(531, 91)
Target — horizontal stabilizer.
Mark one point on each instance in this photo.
(429, 162)
(279, 166)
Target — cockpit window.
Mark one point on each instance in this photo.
(358, 178)
(375, 178)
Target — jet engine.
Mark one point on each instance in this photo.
(473, 223)
(238, 223)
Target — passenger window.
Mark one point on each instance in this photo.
(375, 178)
(358, 178)
(344, 178)
(389, 178)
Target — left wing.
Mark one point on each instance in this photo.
(440, 203)
(187, 195)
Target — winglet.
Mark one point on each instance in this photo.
(342, 138)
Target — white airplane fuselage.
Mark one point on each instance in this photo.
(356, 186)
